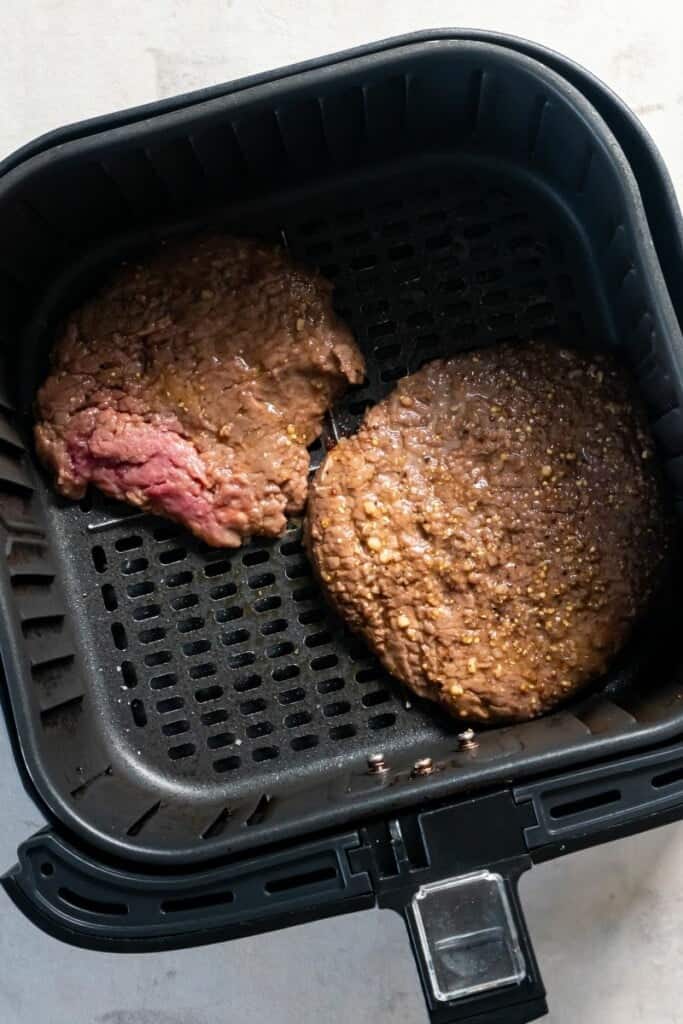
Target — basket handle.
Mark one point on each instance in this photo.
(473, 951)
(451, 872)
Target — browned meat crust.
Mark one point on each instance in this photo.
(494, 528)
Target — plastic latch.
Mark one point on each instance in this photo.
(467, 935)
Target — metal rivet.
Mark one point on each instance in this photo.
(424, 766)
(466, 740)
(377, 765)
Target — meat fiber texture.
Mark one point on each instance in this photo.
(191, 385)
(495, 527)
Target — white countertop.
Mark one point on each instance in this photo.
(607, 924)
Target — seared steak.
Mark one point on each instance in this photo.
(191, 385)
(494, 528)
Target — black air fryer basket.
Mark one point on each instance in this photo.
(215, 753)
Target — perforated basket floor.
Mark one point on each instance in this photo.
(215, 662)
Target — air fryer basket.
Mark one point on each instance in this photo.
(458, 195)
(173, 702)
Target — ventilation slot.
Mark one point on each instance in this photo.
(202, 671)
(215, 717)
(382, 721)
(99, 559)
(297, 719)
(285, 672)
(228, 614)
(305, 742)
(179, 579)
(134, 565)
(221, 739)
(81, 790)
(250, 707)
(265, 579)
(241, 659)
(176, 728)
(340, 707)
(190, 625)
(163, 682)
(146, 611)
(301, 881)
(140, 589)
(158, 658)
(370, 700)
(217, 826)
(118, 633)
(208, 693)
(280, 650)
(167, 532)
(248, 683)
(257, 730)
(259, 812)
(128, 543)
(292, 696)
(91, 906)
(274, 626)
(138, 825)
(343, 732)
(326, 661)
(265, 754)
(587, 803)
(189, 903)
(216, 569)
(195, 647)
(255, 558)
(138, 712)
(330, 685)
(236, 636)
(129, 675)
(181, 751)
(152, 636)
(174, 555)
(164, 707)
(668, 778)
(368, 675)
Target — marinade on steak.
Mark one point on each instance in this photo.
(494, 527)
(192, 383)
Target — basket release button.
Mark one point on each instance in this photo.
(467, 934)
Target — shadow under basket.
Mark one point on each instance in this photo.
(174, 702)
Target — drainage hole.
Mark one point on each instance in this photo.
(138, 712)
